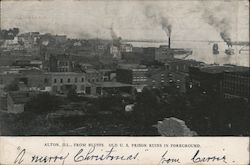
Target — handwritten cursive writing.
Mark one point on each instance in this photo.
(166, 160)
(107, 155)
(48, 159)
(199, 159)
(111, 154)
(19, 158)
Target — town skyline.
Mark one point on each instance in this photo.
(129, 20)
(124, 68)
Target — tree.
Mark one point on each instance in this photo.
(147, 107)
(72, 95)
(13, 86)
(43, 103)
(15, 31)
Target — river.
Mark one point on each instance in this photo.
(202, 51)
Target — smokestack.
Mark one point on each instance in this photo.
(169, 42)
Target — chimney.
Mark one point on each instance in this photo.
(169, 42)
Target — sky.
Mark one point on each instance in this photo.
(129, 19)
(188, 20)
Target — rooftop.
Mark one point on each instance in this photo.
(224, 68)
(64, 73)
(111, 84)
(19, 97)
(131, 66)
(91, 71)
(180, 60)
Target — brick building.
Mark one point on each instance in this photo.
(132, 74)
(61, 63)
(177, 72)
(163, 53)
(63, 82)
(236, 83)
(30, 78)
(228, 81)
(207, 79)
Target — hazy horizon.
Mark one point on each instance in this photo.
(185, 21)
(188, 20)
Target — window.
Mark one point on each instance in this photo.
(55, 80)
(61, 80)
(177, 68)
(75, 79)
(68, 80)
(82, 79)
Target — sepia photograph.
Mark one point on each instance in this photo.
(172, 68)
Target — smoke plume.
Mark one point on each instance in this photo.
(116, 39)
(221, 22)
(158, 17)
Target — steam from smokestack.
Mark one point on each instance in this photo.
(221, 22)
(226, 38)
(166, 26)
(113, 34)
(115, 38)
(158, 17)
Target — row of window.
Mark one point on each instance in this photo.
(139, 70)
(234, 76)
(162, 81)
(139, 79)
(69, 80)
(236, 82)
(61, 88)
(93, 80)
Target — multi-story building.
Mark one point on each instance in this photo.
(236, 83)
(29, 40)
(180, 65)
(227, 81)
(132, 74)
(163, 53)
(61, 63)
(207, 79)
(115, 51)
(85, 66)
(156, 78)
(56, 82)
(28, 63)
(145, 56)
(32, 79)
(126, 47)
(132, 57)
(93, 75)
(64, 82)
(176, 72)
(107, 74)
(149, 55)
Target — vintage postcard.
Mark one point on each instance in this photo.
(124, 82)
